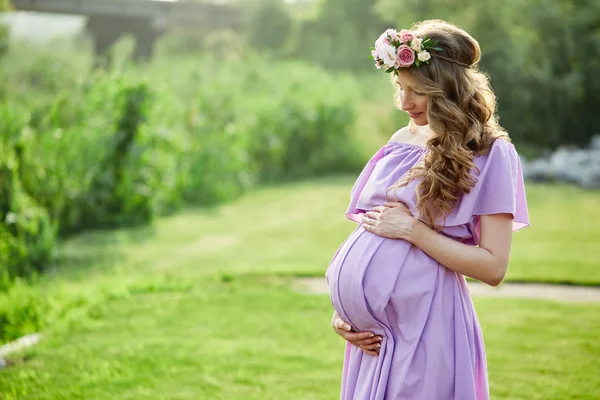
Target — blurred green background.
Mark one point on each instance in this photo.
(159, 194)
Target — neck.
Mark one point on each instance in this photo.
(423, 131)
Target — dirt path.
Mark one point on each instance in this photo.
(506, 290)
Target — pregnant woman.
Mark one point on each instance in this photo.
(437, 203)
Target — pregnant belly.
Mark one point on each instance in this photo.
(369, 269)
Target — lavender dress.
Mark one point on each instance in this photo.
(432, 346)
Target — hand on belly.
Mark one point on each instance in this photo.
(368, 342)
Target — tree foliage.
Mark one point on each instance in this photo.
(339, 34)
(269, 25)
(5, 5)
(542, 56)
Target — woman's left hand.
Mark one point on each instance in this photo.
(392, 220)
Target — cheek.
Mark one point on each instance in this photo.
(423, 106)
(423, 102)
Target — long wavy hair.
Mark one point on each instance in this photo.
(461, 113)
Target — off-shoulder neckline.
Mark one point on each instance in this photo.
(411, 145)
(423, 147)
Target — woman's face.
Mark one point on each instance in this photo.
(413, 102)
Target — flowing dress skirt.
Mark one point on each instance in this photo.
(432, 346)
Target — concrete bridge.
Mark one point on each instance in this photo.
(146, 20)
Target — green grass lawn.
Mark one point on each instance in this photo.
(199, 305)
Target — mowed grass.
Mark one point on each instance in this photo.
(563, 242)
(296, 228)
(199, 306)
(252, 338)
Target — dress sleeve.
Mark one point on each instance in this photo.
(500, 187)
(353, 213)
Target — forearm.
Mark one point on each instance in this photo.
(475, 262)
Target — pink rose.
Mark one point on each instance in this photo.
(405, 56)
(393, 34)
(406, 36)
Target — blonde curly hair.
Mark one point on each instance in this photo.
(461, 113)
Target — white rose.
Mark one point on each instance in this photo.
(424, 56)
(415, 44)
(382, 39)
(387, 54)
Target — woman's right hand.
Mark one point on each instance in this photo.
(366, 341)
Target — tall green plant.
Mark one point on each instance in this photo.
(116, 195)
(26, 232)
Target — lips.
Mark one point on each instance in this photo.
(414, 115)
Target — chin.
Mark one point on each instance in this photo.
(420, 121)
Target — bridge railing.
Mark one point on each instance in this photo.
(176, 13)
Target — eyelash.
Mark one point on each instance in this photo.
(417, 93)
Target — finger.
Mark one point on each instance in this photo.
(359, 336)
(372, 215)
(369, 228)
(377, 209)
(400, 205)
(371, 221)
(396, 204)
(369, 341)
(341, 324)
(370, 352)
(370, 347)
(340, 332)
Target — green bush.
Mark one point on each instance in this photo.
(118, 194)
(75, 149)
(22, 311)
(265, 122)
(109, 148)
(27, 234)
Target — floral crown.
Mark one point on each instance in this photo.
(404, 49)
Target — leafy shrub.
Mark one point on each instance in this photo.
(87, 148)
(27, 234)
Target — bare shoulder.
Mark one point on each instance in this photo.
(402, 135)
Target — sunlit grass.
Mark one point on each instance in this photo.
(250, 337)
(199, 305)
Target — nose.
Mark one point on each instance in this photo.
(407, 102)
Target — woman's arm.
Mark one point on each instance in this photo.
(487, 263)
